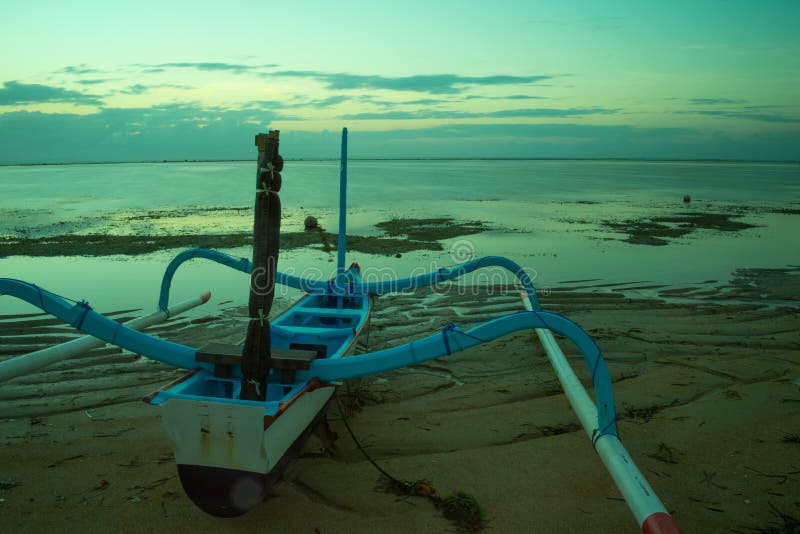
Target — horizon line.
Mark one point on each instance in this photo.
(433, 158)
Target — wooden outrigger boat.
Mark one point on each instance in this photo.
(241, 411)
(229, 451)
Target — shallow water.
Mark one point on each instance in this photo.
(546, 215)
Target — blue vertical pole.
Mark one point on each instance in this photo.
(342, 206)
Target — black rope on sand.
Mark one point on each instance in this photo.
(393, 480)
(461, 509)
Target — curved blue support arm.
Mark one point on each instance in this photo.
(452, 340)
(82, 317)
(450, 273)
(340, 286)
(240, 264)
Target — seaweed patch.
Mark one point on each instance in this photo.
(656, 231)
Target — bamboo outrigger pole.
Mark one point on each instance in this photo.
(646, 507)
(28, 363)
(256, 354)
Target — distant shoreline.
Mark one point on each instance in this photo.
(632, 160)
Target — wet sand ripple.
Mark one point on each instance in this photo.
(706, 396)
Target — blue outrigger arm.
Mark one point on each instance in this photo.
(449, 341)
(339, 286)
(452, 339)
(85, 319)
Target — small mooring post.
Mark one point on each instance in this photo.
(257, 354)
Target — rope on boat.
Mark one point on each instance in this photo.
(40, 291)
(453, 328)
(82, 304)
(78, 323)
(256, 385)
(261, 317)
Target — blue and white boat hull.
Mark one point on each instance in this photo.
(229, 451)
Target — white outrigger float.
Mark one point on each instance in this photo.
(241, 411)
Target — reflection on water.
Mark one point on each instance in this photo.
(547, 215)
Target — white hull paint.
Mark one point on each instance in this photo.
(233, 436)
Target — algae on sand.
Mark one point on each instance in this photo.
(402, 235)
(656, 230)
(433, 229)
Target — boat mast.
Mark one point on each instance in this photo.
(256, 355)
(342, 247)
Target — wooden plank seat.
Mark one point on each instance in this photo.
(224, 356)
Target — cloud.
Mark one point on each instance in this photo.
(510, 97)
(167, 132)
(94, 81)
(297, 102)
(744, 115)
(138, 88)
(423, 102)
(190, 131)
(264, 105)
(502, 114)
(235, 68)
(551, 113)
(714, 101)
(424, 83)
(79, 69)
(521, 141)
(547, 140)
(728, 108)
(448, 100)
(406, 115)
(572, 141)
(15, 93)
(327, 102)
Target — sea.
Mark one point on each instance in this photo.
(553, 217)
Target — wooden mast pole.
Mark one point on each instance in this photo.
(342, 244)
(256, 354)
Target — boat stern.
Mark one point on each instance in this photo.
(216, 434)
(221, 462)
(229, 451)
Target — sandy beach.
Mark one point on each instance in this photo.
(706, 389)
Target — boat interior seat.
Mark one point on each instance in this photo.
(225, 356)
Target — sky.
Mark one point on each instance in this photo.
(90, 81)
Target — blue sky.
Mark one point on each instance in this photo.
(147, 80)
